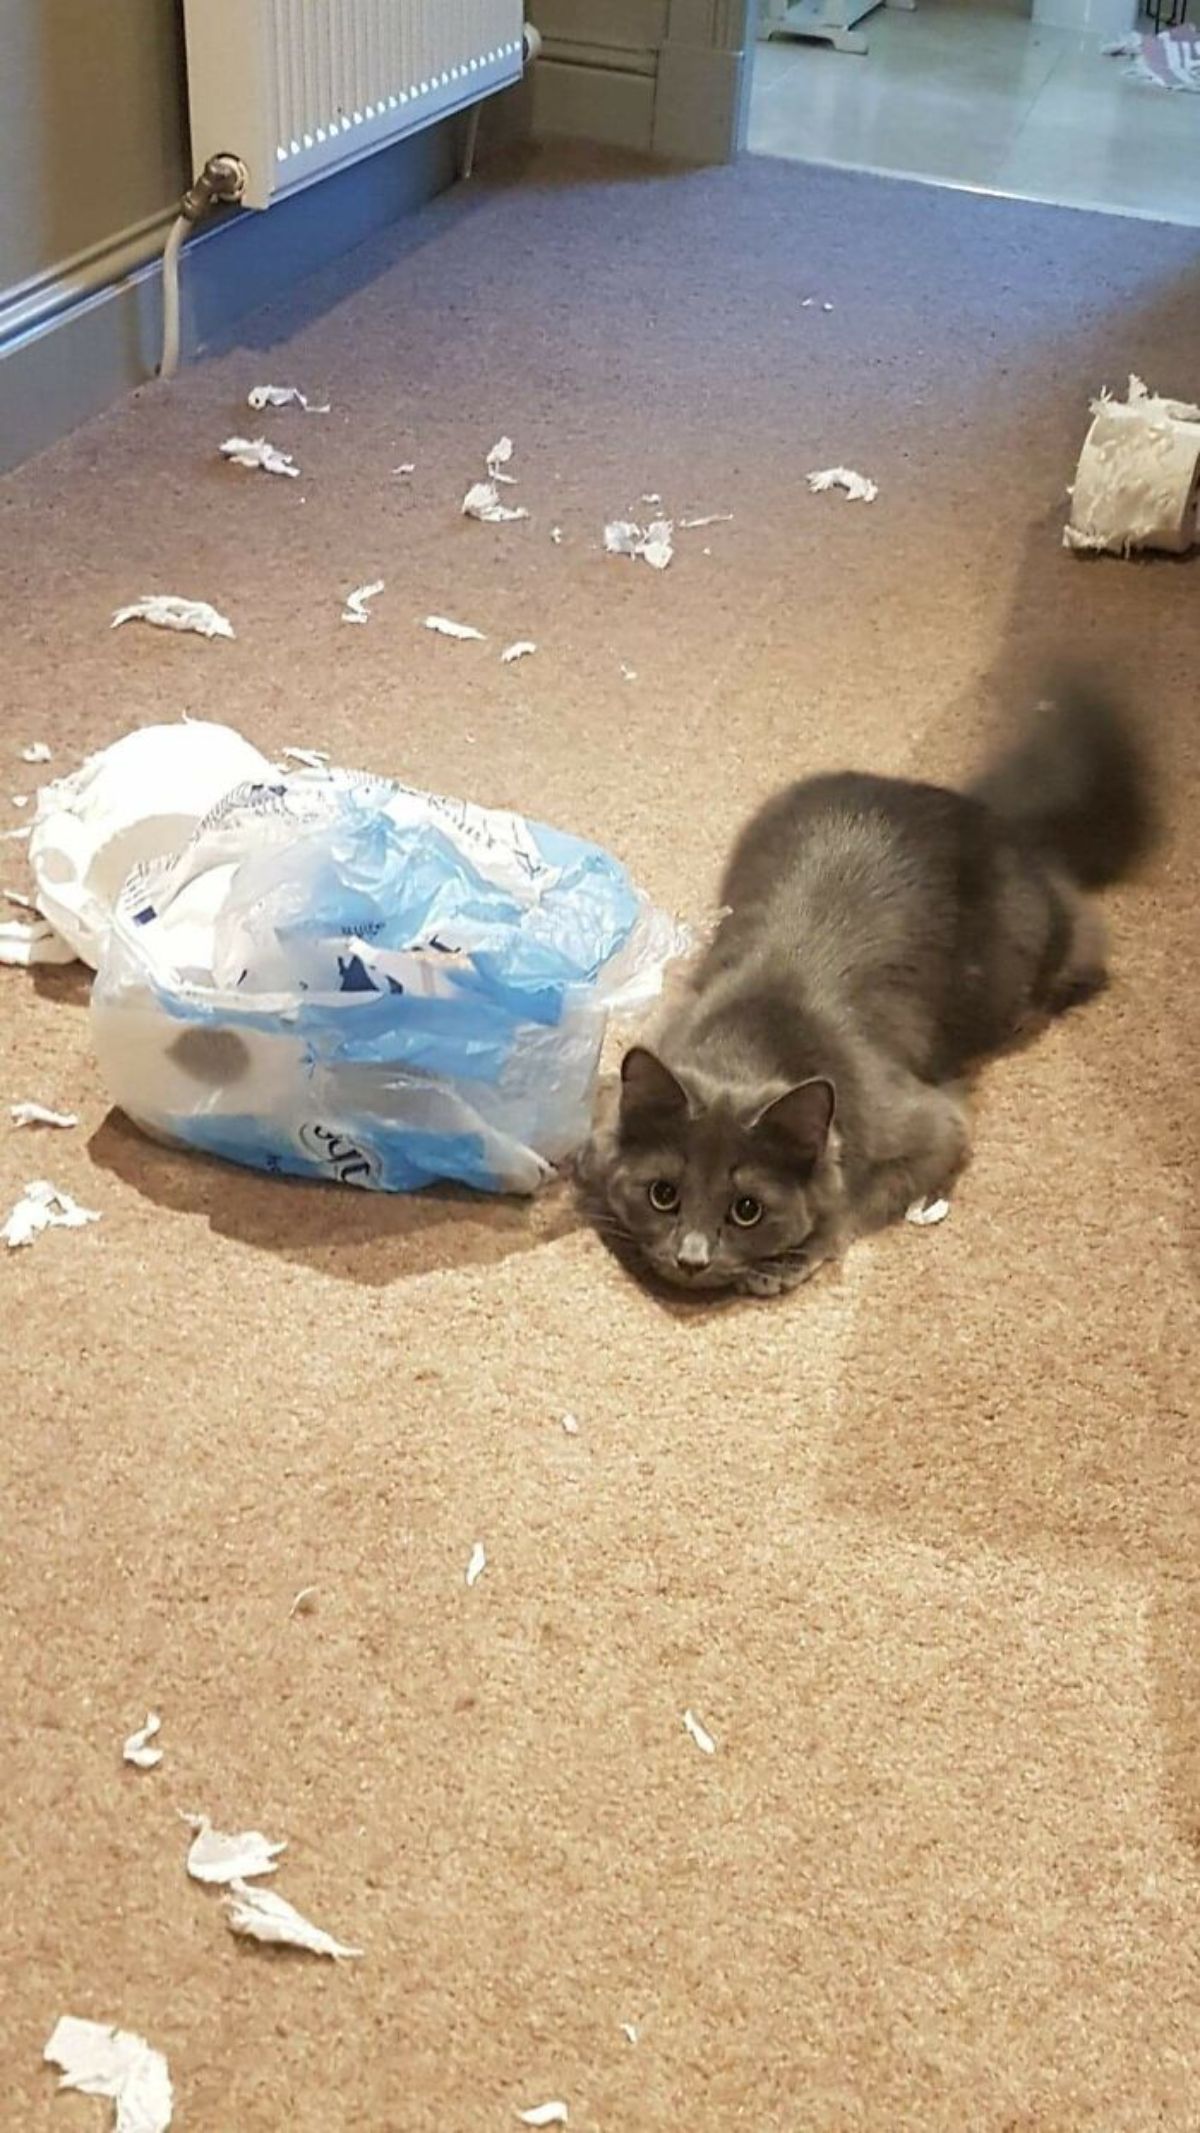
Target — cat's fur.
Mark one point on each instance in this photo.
(880, 938)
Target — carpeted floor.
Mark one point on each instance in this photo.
(918, 1546)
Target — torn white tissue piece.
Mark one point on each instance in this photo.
(628, 673)
(498, 458)
(100, 2061)
(406, 467)
(305, 1602)
(41, 1206)
(19, 799)
(27, 941)
(570, 1424)
(355, 609)
(651, 497)
(1138, 480)
(482, 501)
(545, 2114)
(308, 758)
(259, 1914)
(630, 2030)
(137, 1749)
(215, 1857)
(37, 752)
(442, 626)
(653, 543)
(712, 518)
(703, 1739)
(260, 396)
(30, 1114)
(477, 1564)
(858, 488)
(522, 649)
(170, 611)
(556, 535)
(258, 452)
(924, 1213)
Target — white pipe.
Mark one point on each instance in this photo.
(170, 296)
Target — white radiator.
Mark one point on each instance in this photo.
(297, 88)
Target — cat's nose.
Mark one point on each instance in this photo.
(694, 1253)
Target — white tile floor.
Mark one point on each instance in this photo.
(972, 93)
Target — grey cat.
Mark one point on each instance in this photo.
(880, 939)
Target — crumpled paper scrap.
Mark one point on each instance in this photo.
(261, 1914)
(522, 649)
(482, 501)
(37, 752)
(101, 2061)
(34, 1114)
(857, 487)
(217, 1858)
(545, 2114)
(260, 396)
(653, 543)
(477, 1564)
(24, 941)
(137, 1749)
(498, 458)
(442, 626)
(700, 1734)
(170, 611)
(356, 609)
(924, 1213)
(40, 1207)
(258, 452)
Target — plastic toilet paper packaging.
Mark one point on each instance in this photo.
(134, 801)
(333, 975)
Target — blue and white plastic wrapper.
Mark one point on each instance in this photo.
(339, 977)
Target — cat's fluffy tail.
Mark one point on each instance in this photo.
(1077, 785)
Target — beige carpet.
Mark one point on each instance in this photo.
(918, 1546)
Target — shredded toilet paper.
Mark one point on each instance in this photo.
(653, 543)
(260, 396)
(100, 2061)
(170, 611)
(137, 1749)
(217, 1858)
(42, 1206)
(261, 1914)
(258, 452)
(1138, 480)
(857, 487)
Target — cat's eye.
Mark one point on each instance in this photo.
(664, 1196)
(746, 1210)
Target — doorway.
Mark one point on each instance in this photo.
(979, 94)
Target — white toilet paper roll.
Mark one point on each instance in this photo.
(1138, 481)
(134, 801)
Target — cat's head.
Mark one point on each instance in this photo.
(706, 1186)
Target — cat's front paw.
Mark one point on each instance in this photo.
(775, 1280)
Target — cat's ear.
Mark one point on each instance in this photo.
(800, 1120)
(649, 1090)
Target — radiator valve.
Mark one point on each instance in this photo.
(221, 183)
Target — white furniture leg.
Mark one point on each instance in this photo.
(830, 20)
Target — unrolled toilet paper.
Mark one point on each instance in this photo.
(1138, 481)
